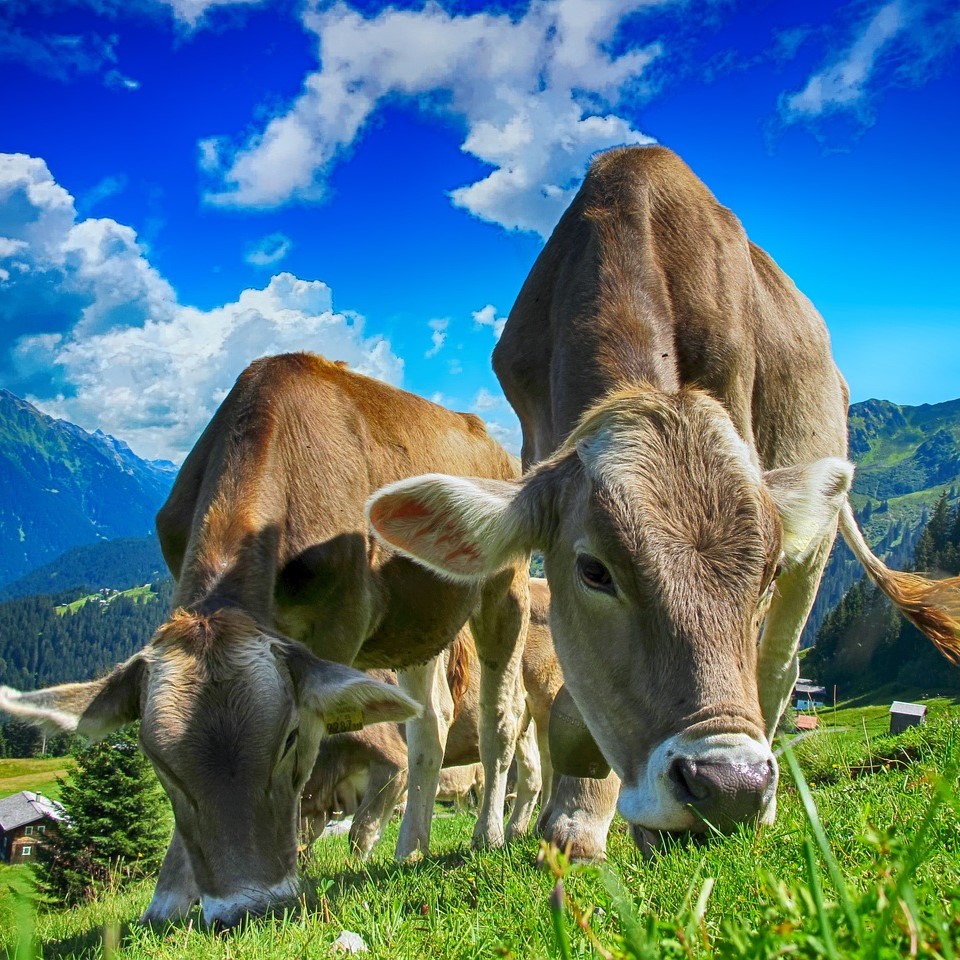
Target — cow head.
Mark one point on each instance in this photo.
(231, 718)
(662, 542)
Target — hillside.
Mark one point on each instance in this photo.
(109, 563)
(906, 458)
(61, 487)
(46, 640)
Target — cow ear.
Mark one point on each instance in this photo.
(463, 529)
(343, 698)
(92, 709)
(808, 498)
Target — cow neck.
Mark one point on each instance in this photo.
(240, 579)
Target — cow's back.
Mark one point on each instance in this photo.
(648, 279)
(268, 509)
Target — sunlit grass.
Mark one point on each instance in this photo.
(863, 863)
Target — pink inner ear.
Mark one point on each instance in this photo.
(388, 509)
(411, 525)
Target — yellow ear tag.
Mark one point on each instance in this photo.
(344, 722)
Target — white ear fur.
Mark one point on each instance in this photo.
(808, 498)
(463, 529)
(347, 699)
(92, 709)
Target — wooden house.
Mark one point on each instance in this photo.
(26, 818)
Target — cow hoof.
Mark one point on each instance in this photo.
(483, 841)
(515, 831)
(412, 858)
(579, 845)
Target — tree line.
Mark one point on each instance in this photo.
(40, 647)
(864, 643)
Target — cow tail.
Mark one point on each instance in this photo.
(458, 671)
(932, 606)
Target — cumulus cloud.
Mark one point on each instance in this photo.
(268, 250)
(901, 43)
(129, 358)
(537, 95)
(438, 336)
(487, 317)
(93, 266)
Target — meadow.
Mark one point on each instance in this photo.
(863, 862)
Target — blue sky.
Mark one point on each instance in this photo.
(186, 185)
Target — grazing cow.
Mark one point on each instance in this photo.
(266, 534)
(364, 772)
(684, 427)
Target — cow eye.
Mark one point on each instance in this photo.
(594, 574)
(291, 740)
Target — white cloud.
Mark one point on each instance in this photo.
(843, 83)
(537, 96)
(98, 263)
(487, 317)
(508, 433)
(438, 336)
(485, 401)
(102, 190)
(268, 250)
(193, 12)
(899, 44)
(132, 360)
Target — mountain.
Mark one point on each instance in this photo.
(116, 564)
(906, 458)
(61, 487)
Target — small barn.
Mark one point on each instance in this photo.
(26, 818)
(806, 721)
(903, 715)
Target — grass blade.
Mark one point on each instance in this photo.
(816, 828)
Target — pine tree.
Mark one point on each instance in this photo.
(117, 821)
(934, 537)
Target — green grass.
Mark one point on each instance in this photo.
(142, 594)
(39, 775)
(872, 871)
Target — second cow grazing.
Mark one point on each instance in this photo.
(364, 773)
(265, 533)
(684, 437)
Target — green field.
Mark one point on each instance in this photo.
(142, 594)
(888, 860)
(39, 775)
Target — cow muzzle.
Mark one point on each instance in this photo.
(222, 913)
(703, 785)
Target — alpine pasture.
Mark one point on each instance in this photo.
(863, 861)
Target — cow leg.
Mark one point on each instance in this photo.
(426, 742)
(384, 790)
(777, 663)
(528, 781)
(578, 815)
(499, 626)
(176, 891)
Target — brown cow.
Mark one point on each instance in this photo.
(364, 772)
(685, 427)
(265, 531)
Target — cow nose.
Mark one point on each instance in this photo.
(722, 794)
